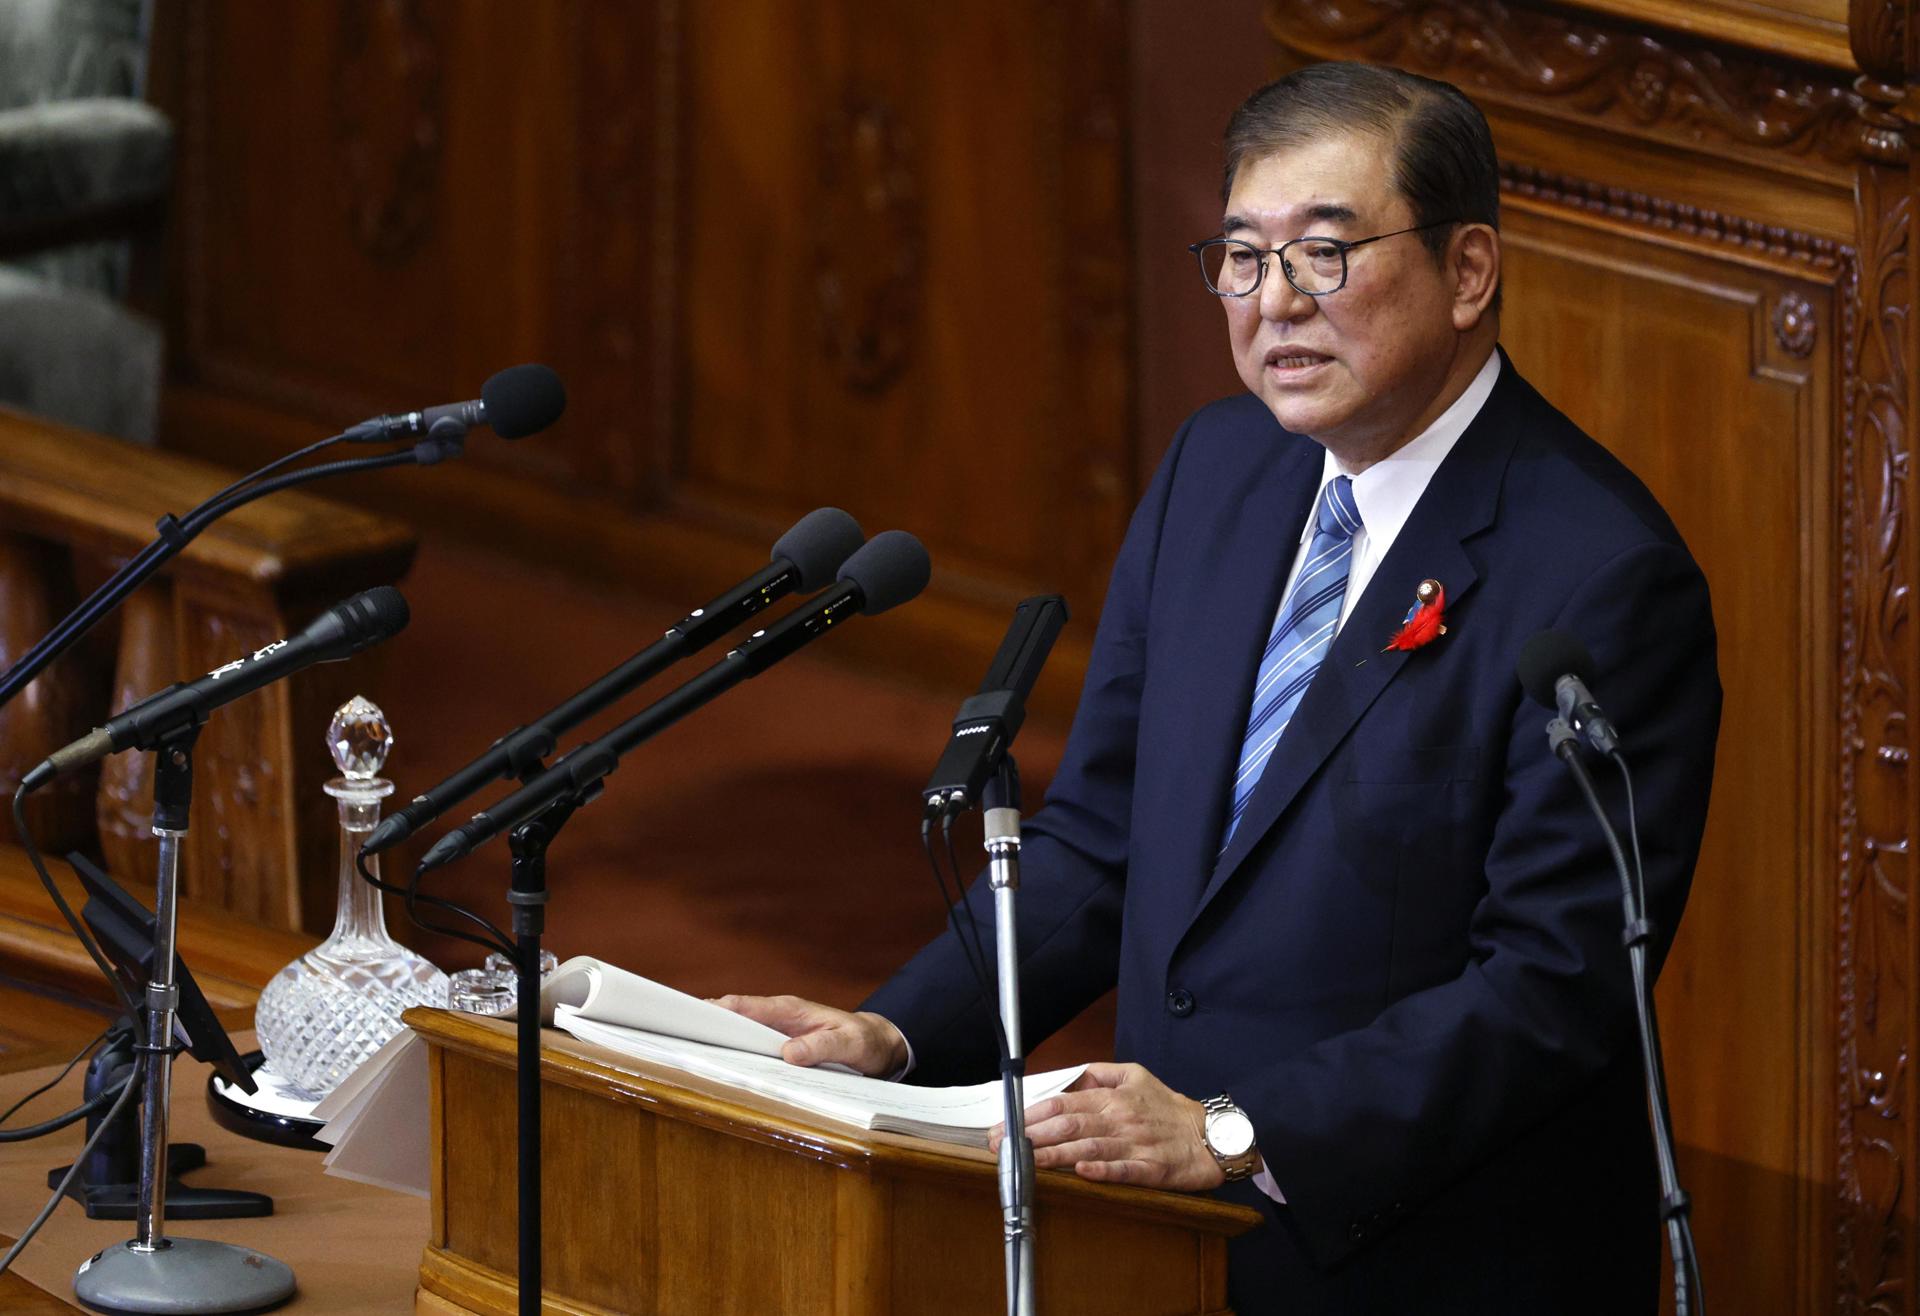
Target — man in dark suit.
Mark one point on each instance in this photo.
(1348, 896)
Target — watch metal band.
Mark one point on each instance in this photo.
(1240, 1166)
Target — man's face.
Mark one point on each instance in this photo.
(1359, 370)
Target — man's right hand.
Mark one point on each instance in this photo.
(864, 1042)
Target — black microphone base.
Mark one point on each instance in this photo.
(118, 1201)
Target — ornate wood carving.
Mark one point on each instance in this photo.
(388, 124)
(146, 663)
(1875, 955)
(1821, 254)
(869, 242)
(617, 272)
(1626, 77)
(1793, 324)
(1879, 30)
(1878, 938)
(35, 591)
(1095, 264)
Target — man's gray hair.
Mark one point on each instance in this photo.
(1443, 164)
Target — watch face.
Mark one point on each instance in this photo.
(1230, 1134)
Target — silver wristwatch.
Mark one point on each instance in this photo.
(1229, 1136)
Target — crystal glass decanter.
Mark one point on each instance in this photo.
(340, 1002)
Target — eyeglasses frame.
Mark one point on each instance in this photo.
(1286, 268)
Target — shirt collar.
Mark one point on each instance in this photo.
(1387, 490)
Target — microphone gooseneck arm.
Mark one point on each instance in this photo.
(175, 533)
(518, 754)
(580, 771)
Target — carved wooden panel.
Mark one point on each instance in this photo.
(146, 662)
(36, 588)
(1880, 667)
(783, 255)
(901, 297)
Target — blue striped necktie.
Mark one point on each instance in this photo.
(1301, 636)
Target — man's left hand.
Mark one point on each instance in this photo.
(1120, 1124)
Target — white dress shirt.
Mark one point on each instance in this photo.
(1386, 493)
(1387, 490)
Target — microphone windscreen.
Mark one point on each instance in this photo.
(818, 543)
(379, 612)
(353, 624)
(889, 569)
(1547, 657)
(523, 400)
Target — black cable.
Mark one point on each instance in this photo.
(1633, 831)
(951, 906)
(25, 833)
(66, 1069)
(1689, 1298)
(278, 463)
(410, 895)
(127, 1089)
(972, 952)
(972, 924)
(208, 513)
(73, 1172)
(105, 1097)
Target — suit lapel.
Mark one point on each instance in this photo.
(1458, 503)
(1219, 625)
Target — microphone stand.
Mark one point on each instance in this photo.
(154, 1273)
(528, 896)
(175, 533)
(1689, 1299)
(1000, 802)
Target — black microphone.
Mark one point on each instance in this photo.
(342, 630)
(805, 558)
(989, 720)
(514, 403)
(888, 570)
(1554, 669)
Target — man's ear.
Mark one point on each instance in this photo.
(1473, 260)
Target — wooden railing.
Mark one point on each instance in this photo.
(72, 505)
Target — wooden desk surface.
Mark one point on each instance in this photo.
(353, 1249)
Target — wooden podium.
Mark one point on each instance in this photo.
(663, 1196)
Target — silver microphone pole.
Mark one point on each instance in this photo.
(1002, 835)
(152, 1272)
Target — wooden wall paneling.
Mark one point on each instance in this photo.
(900, 291)
(849, 253)
(1185, 81)
(1675, 356)
(36, 588)
(148, 660)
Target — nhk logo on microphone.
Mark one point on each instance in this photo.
(253, 657)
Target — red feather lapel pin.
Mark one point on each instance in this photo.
(1425, 621)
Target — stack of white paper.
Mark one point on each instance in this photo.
(378, 1117)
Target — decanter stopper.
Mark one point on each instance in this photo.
(359, 739)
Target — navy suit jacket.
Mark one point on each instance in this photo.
(1407, 967)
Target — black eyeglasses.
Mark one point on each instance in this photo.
(1314, 265)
